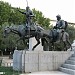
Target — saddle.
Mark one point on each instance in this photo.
(55, 35)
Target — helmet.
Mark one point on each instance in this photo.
(58, 16)
(27, 7)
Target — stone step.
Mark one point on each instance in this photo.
(72, 58)
(70, 62)
(69, 66)
(68, 71)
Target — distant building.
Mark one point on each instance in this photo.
(53, 22)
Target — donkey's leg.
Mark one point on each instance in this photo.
(18, 40)
(68, 41)
(53, 46)
(24, 41)
(64, 40)
(65, 45)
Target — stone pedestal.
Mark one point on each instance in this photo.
(17, 60)
(73, 46)
(32, 61)
(32, 42)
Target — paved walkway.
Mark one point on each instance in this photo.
(46, 73)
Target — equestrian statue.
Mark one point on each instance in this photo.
(31, 29)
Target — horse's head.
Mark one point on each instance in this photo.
(6, 31)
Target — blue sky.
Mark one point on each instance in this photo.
(49, 8)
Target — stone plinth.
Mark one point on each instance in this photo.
(17, 60)
(32, 61)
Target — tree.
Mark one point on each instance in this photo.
(16, 17)
(4, 12)
(39, 17)
(71, 31)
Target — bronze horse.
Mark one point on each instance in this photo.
(35, 31)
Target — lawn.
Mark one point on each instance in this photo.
(8, 71)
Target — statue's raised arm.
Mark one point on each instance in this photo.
(22, 12)
(29, 14)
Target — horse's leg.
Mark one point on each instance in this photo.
(25, 43)
(17, 42)
(42, 40)
(45, 44)
(38, 42)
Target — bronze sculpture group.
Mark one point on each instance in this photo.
(30, 29)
